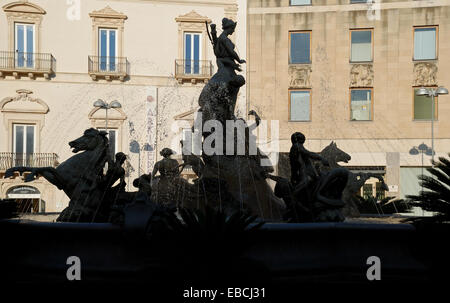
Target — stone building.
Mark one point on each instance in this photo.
(347, 71)
(58, 57)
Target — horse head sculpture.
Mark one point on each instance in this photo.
(91, 139)
(334, 155)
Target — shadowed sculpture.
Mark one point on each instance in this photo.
(310, 195)
(334, 155)
(78, 177)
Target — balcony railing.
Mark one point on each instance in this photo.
(27, 63)
(108, 67)
(8, 160)
(193, 70)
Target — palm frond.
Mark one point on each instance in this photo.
(435, 197)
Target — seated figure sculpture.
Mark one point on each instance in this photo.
(302, 169)
(310, 196)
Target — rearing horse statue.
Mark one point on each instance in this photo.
(355, 180)
(78, 176)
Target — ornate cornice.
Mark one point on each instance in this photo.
(108, 13)
(23, 7)
(123, 116)
(192, 17)
(24, 95)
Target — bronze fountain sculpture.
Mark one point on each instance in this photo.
(227, 182)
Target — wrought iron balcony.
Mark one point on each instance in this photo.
(8, 160)
(108, 68)
(193, 70)
(29, 64)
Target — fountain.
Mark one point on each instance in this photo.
(140, 237)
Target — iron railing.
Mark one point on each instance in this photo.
(193, 68)
(17, 61)
(8, 160)
(108, 65)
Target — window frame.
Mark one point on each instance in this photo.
(371, 103)
(108, 50)
(435, 104)
(371, 29)
(290, 3)
(200, 52)
(310, 44)
(310, 104)
(25, 41)
(14, 141)
(436, 27)
(25, 34)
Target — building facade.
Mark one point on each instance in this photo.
(347, 71)
(58, 57)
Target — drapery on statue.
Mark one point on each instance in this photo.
(164, 188)
(218, 98)
(224, 48)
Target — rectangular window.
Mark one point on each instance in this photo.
(379, 191)
(300, 47)
(367, 191)
(361, 45)
(107, 49)
(423, 107)
(361, 104)
(425, 43)
(359, 1)
(192, 53)
(24, 45)
(300, 105)
(300, 2)
(23, 144)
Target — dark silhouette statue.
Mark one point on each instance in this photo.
(302, 169)
(116, 171)
(310, 196)
(80, 177)
(191, 160)
(334, 155)
(226, 182)
(167, 167)
(164, 186)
